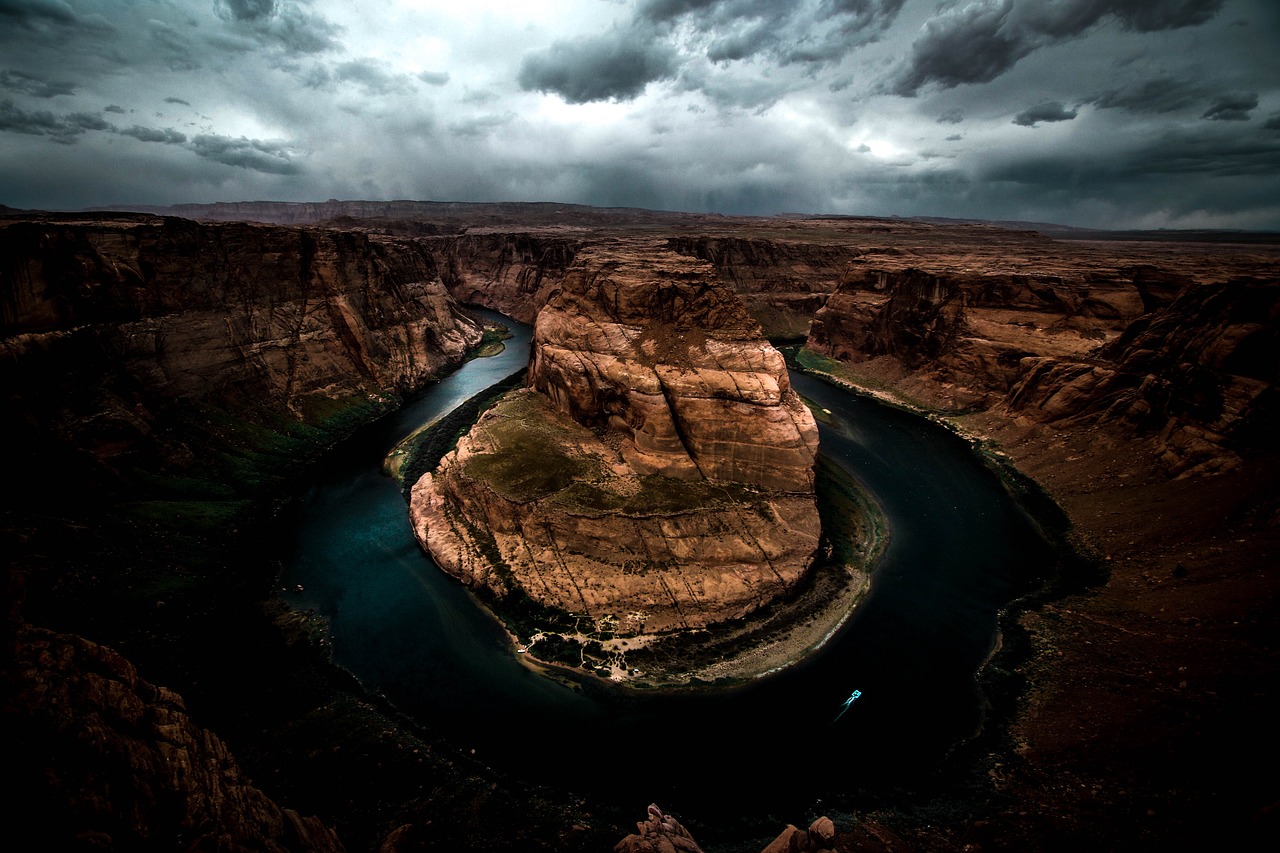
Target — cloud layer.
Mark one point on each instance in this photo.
(1113, 113)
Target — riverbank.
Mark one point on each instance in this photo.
(1123, 693)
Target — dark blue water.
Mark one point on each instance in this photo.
(960, 549)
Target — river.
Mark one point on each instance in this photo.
(960, 550)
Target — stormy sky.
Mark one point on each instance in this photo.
(1104, 113)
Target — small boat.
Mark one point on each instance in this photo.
(853, 697)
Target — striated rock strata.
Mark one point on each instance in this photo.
(656, 475)
(1197, 378)
(138, 316)
(968, 332)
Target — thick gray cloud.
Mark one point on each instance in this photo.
(273, 158)
(247, 10)
(737, 106)
(37, 123)
(1235, 106)
(1156, 95)
(978, 42)
(1050, 111)
(30, 12)
(805, 32)
(615, 66)
(150, 134)
(36, 87)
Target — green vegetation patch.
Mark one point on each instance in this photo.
(527, 468)
(491, 342)
(538, 450)
(811, 360)
(422, 451)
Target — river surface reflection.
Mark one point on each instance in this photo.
(960, 550)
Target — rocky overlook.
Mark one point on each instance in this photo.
(658, 471)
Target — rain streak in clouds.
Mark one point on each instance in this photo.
(1106, 113)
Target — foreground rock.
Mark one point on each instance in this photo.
(101, 759)
(657, 475)
(658, 833)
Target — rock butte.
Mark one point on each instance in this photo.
(658, 469)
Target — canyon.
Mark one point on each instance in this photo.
(165, 378)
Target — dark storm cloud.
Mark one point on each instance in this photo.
(969, 45)
(29, 12)
(246, 10)
(952, 116)
(63, 129)
(1186, 154)
(150, 134)
(1048, 112)
(283, 25)
(1235, 106)
(272, 158)
(979, 42)
(1272, 123)
(89, 121)
(113, 108)
(809, 33)
(179, 51)
(1157, 95)
(37, 123)
(36, 87)
(177, 101)
(298, 31)
(615, 66)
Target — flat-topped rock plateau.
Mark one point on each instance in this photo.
(657, 473)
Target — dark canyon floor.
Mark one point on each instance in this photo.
(168, 381)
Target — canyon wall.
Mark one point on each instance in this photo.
(509, 273)
(659, 469)
(113, 324)
(965, 335)
(1183, 366)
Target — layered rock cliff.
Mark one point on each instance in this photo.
(967, 333)
(657, 474)
(137, 318)
(510, 273)
(1197, 378)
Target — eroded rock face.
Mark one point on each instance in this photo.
(658, 833)
(137, 315)
(1197, 376)
(659, 470)
(655, 349)
(510, 273)
(968, 332)
(105, 760)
